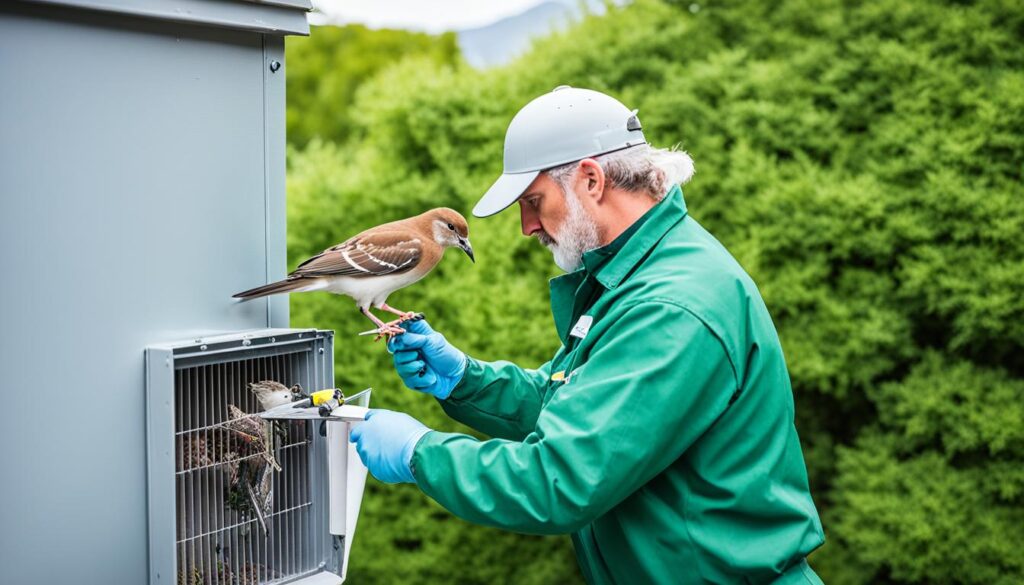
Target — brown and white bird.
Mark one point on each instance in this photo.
(375, 263)
(253, 432)
(272, 393)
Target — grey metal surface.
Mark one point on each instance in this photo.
(194, 534)
(274, 175)
(267, 16)
(141, 185)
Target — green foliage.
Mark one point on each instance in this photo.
(326, 69)
(863, 161)
(925, 519)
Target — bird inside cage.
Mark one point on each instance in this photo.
(249, 490)
(253, 432)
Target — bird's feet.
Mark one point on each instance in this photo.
(384, 330)
(403, 316)
(410, 316)
(389, 330)
(406, 316)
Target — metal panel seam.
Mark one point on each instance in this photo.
(266, 173)
(303, 4)
(281, 18)
(159, 532)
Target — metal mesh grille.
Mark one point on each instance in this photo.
(216, 541)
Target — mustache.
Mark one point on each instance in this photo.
(545, 239)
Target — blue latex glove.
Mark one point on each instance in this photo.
(385, 443)
(425, 360)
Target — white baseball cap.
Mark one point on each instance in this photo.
(566, 125)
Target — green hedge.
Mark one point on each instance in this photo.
(863, 161)
(327, 68)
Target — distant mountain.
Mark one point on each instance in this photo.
(506, 39)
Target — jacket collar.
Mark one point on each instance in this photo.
(611, 264)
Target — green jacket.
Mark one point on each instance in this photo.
(661, 434)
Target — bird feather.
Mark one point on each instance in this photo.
(367, 255)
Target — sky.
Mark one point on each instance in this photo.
(429, 16)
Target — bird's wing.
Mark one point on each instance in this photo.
(373, 254)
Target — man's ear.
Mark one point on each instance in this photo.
(591, 175)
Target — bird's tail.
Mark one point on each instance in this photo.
(281, 286)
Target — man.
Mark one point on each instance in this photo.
(661, 434)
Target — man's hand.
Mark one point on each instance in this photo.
(426, 361)
(385, 443)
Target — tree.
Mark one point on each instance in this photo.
(863, 161)
(327, 68)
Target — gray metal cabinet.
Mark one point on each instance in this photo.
(141, 185)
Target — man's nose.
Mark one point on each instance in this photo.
(529, 218)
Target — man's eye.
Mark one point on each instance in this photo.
(534, 202)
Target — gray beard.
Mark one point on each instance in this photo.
(577, 236)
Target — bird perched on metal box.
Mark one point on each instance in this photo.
(375, 263)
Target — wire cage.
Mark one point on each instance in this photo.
(235, 499)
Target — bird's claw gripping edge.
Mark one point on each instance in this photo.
(394, 325)
(408, 316)
(389, 330)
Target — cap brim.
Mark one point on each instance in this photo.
(503, 193)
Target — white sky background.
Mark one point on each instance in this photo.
(422, 15)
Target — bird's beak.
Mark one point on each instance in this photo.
(464, 244)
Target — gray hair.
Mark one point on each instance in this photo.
(637, 168)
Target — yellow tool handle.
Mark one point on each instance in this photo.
(321, 397)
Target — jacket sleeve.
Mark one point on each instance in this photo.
(657, 383)
(499, 399)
